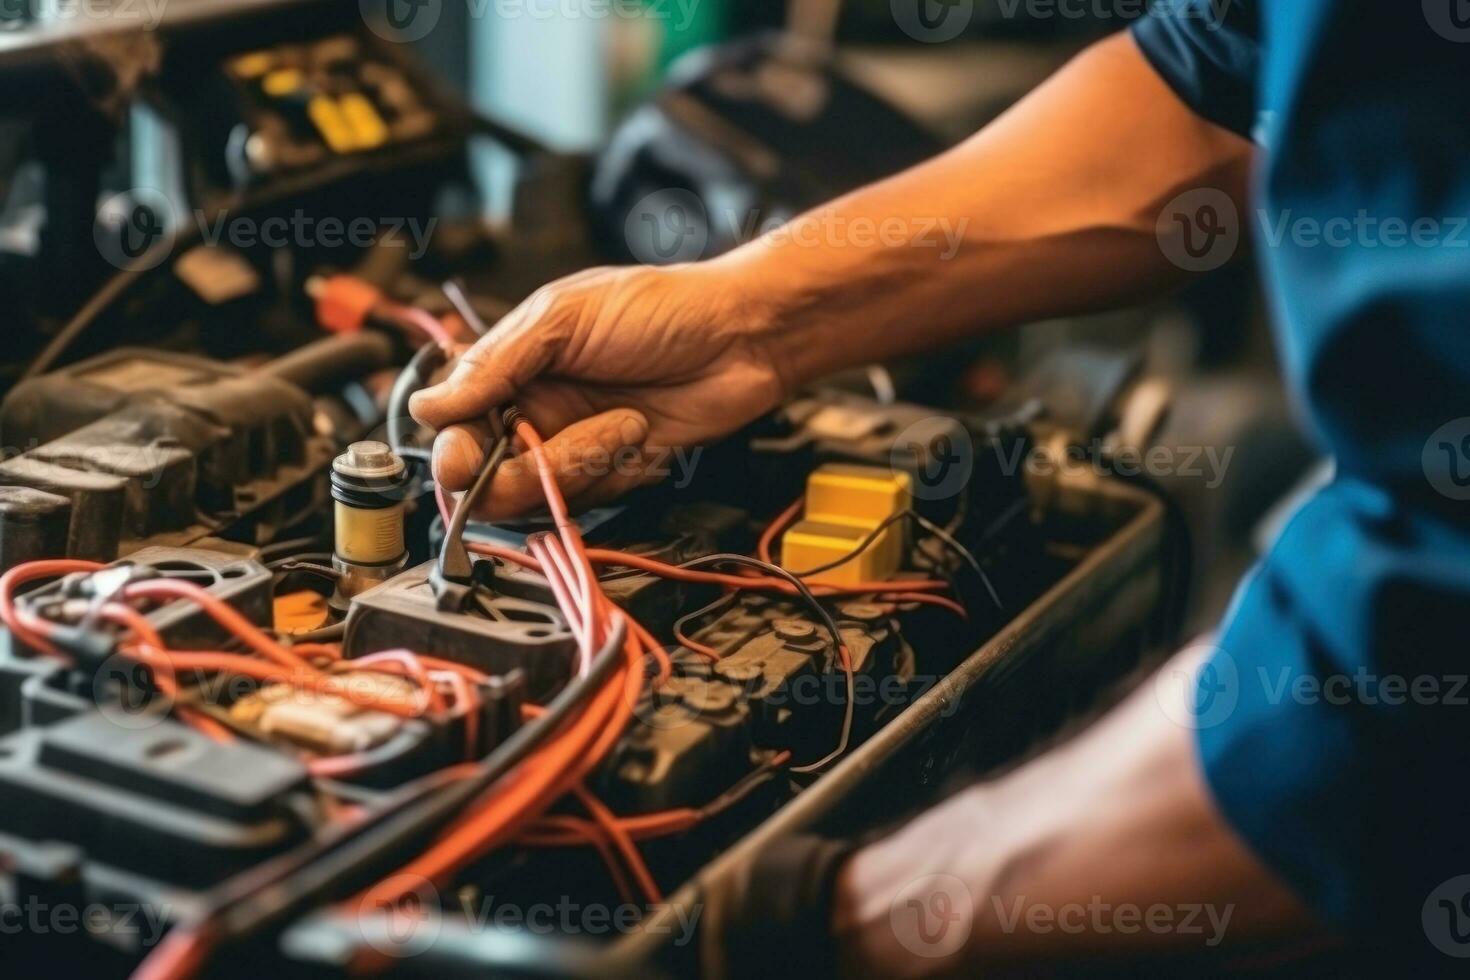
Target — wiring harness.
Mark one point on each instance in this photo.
(436, 826)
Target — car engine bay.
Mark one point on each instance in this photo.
(260, 678)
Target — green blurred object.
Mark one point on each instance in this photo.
(688, 25)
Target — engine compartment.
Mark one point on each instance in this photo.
(152, 467)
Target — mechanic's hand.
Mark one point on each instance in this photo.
(615, 367)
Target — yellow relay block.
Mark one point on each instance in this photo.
(367, 126)
(844, 505)
(333, 125)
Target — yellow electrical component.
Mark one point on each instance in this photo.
(369, 537)
(282, 82)
(254, 64)
(369, 129)
(844, 505)
(370, 483)
(332, 123)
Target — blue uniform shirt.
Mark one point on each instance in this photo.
(1334, 718)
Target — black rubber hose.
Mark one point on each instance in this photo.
(411, 379)
(342, 357)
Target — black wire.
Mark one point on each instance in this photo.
(287, 545)
(345, 857)
(779, 572)
(311, 568)
(859, 548)
(719, 604)
(827, 621)
(314, 556)
(413, 377)
(747, 784)
(111, 291)
(944, 536)
(278, 192)
(954, 544)
(455, 564)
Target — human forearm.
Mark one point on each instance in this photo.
(1107, 848)
(1050, 210)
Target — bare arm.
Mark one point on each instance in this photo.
(1109, 847)
(1051, 209)
(1055, 205)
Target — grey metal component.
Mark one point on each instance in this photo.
(369, 460)
(511, 634)
(163, 800)
(96, 503)
(243, 583)
(156, 447)
(33, 524)
(354, 579)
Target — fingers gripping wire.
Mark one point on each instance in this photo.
(455, 570)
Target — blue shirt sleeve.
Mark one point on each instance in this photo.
(1332, 717)
(1208, 51)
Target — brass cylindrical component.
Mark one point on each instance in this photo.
(369, 486)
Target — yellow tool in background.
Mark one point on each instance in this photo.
(844, 505)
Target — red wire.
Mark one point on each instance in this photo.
(624, 844)
(426, 323)
(221, 612)
(768, 536)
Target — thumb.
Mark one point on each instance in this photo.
(499, 364)
(590, 459)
